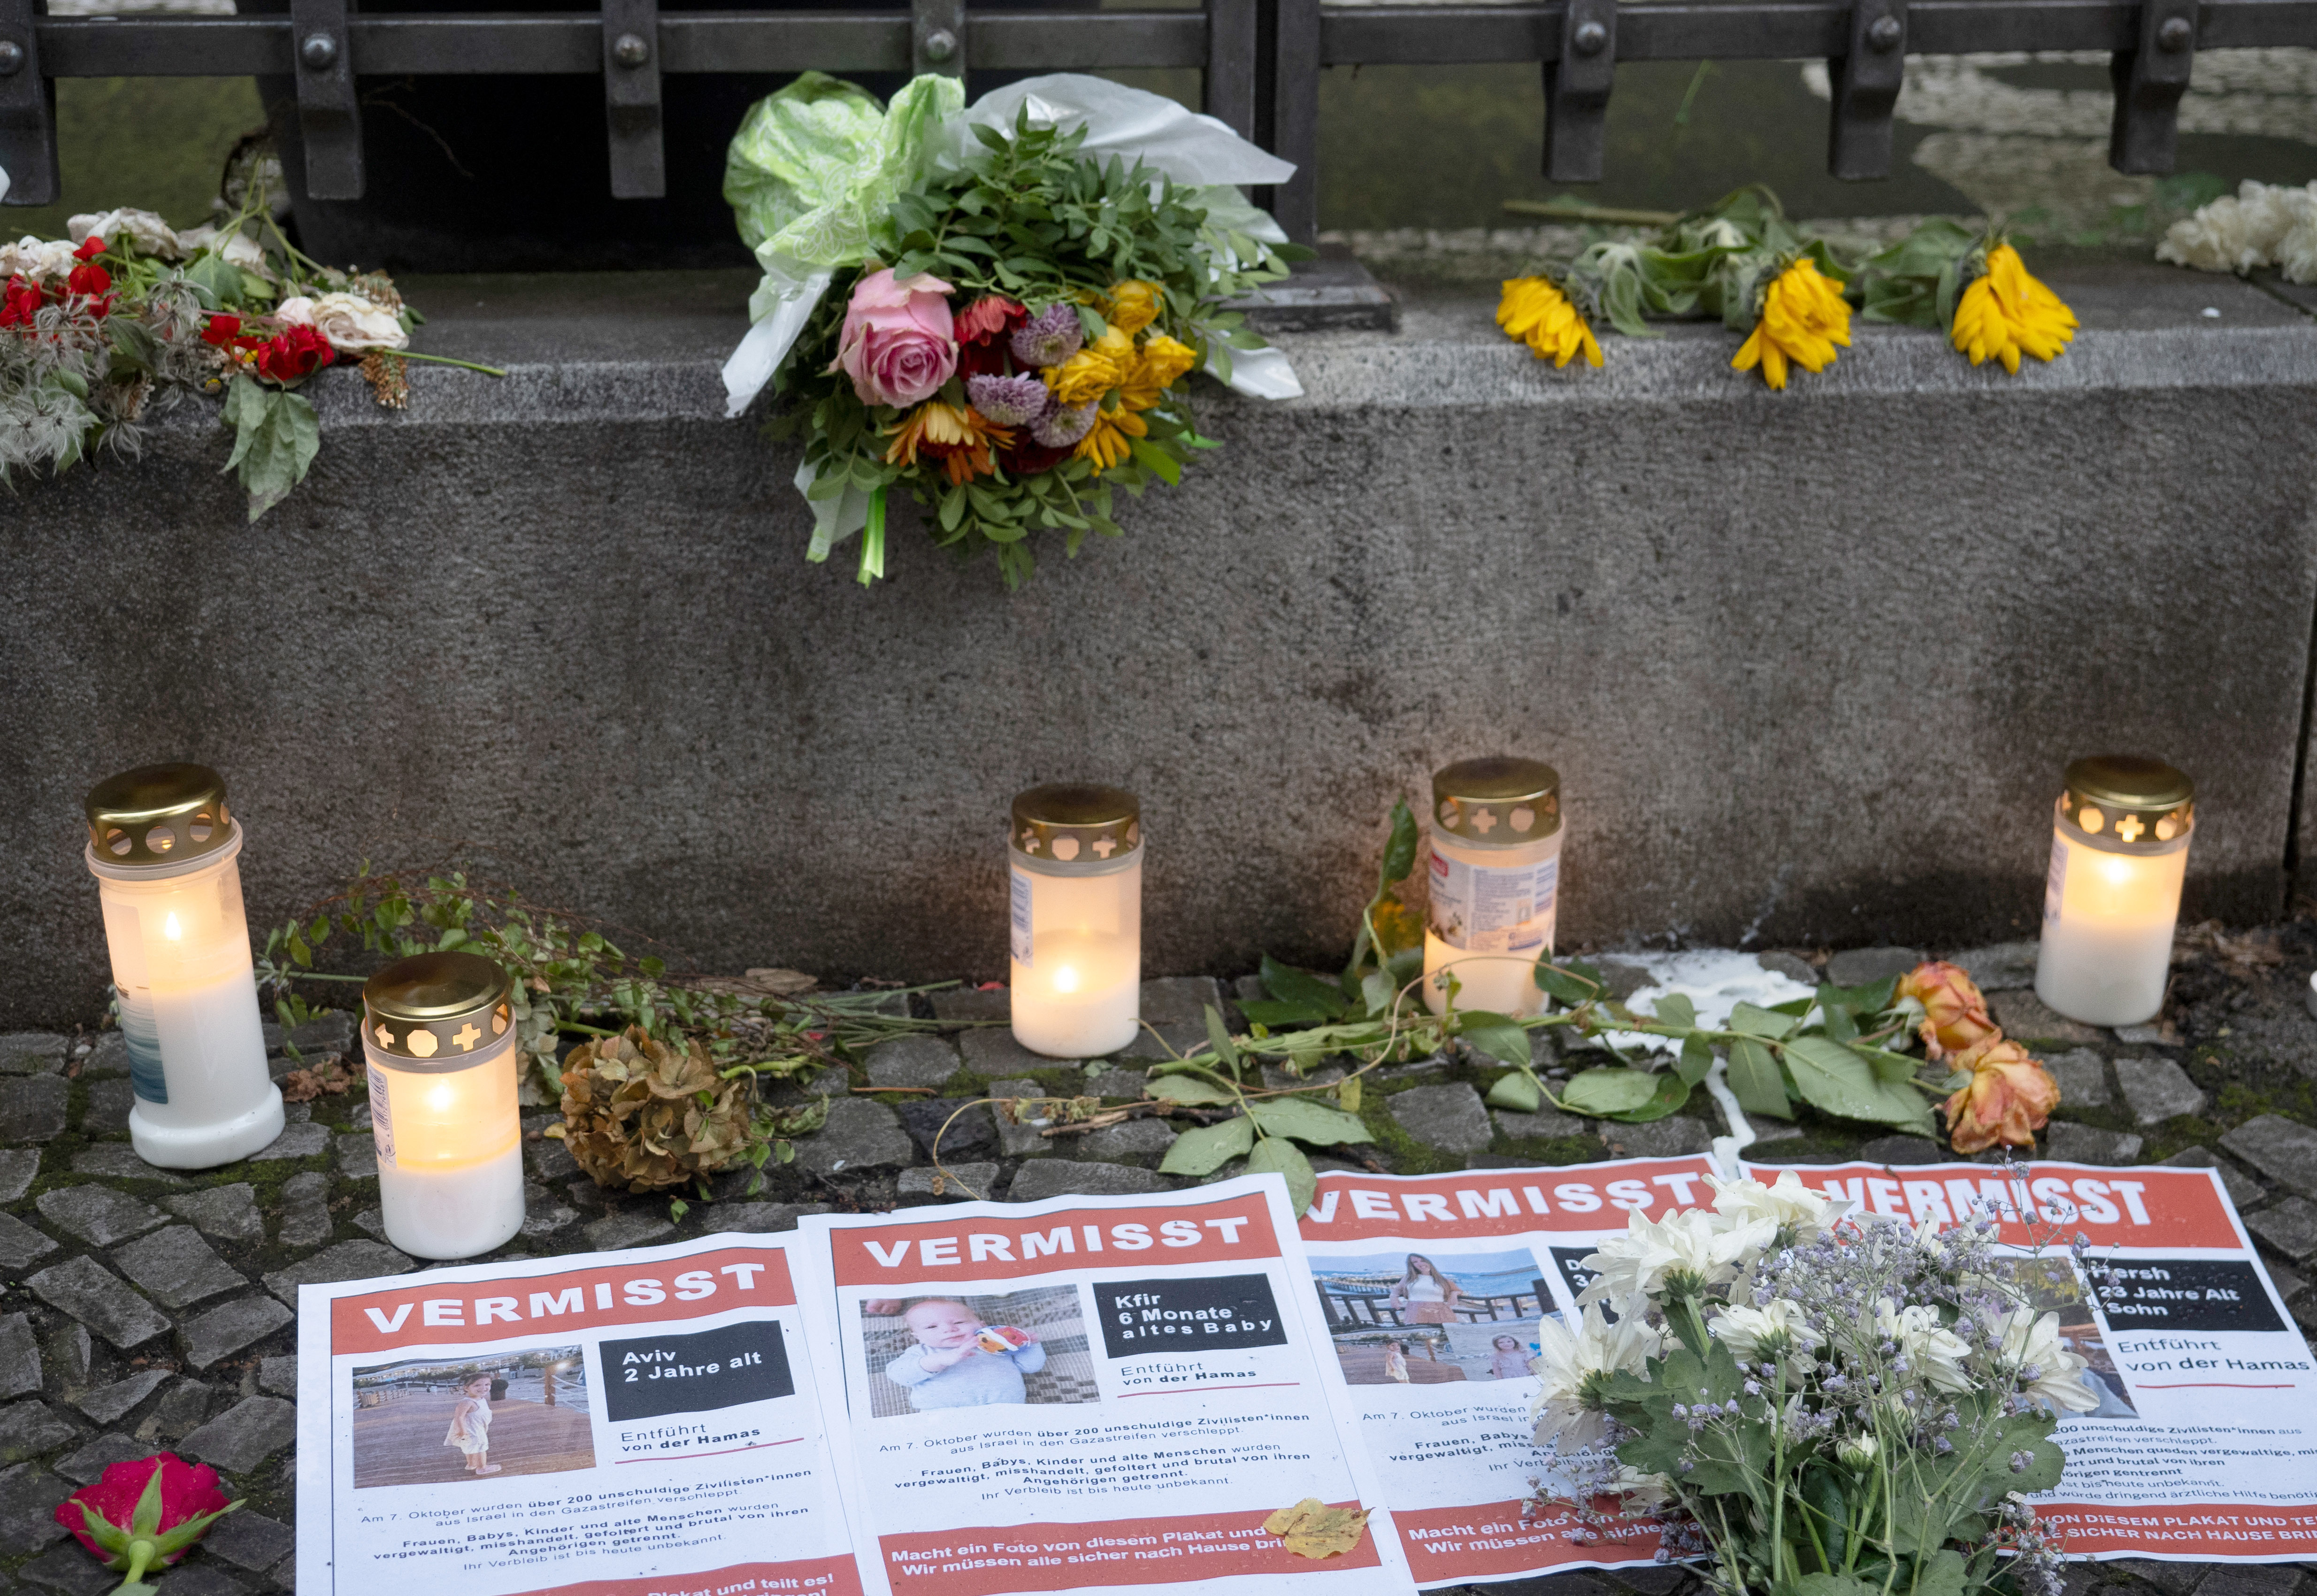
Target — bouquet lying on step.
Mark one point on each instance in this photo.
(1822, 1406)
(996, 309)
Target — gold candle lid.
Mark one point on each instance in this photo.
(437, 1004)
(159, 814)
(1074, 824)
(1496, 802)
(2137, 801)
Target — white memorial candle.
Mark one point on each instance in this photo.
(1075, 855)
(166, 855)
(2120, 839)
(1493, 871)
(440, 1039)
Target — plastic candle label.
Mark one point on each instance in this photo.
(1020, 901)
(142, 1033)
(381, 1117)
(2055, 881)
(1493, 909)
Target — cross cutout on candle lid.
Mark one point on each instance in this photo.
(467, 1036)
(1029, 841)
(1104, 847)
(385, 1037)
(2129, 828)
(1484, 822)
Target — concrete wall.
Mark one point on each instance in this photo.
(1809, 663)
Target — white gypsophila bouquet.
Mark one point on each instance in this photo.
(1821, 1405)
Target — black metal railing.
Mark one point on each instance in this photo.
(1260, 61)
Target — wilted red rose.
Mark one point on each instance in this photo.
(145, 1514)
(295, 355)
(23, 298)
(2008, 1100)
(1955, 1013)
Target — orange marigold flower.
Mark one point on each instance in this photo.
(1105, 443)
(2007, 1101)
(1955, 1013)
(1803, 317)
(960, 437)
(1157, 365)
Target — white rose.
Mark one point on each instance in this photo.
(38, 259)
(147, 232)
(352, 324)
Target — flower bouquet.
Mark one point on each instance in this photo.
(1821, 1406)
(1020, 292)
(98, 331)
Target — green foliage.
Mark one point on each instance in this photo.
(275, 437)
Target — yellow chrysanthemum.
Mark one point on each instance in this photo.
(1106, 444)
(1159, 364)
(2005, 311)
(1540, 315)
(1095, 370)
(1803, 317)
(1132, 305)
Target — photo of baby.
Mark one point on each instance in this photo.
(928, 1353)
(431, 1423)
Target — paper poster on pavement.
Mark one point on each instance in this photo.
(1431, 1287)
(2202, 1441)
(642, 1423)
(1086, 1392)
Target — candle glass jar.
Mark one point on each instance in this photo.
(1075, 855)
(165, 853)
(2120, 837)
(439, 1033)
(1494, 875)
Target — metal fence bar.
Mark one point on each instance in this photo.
(28, 108)
(937, 38)
(1294, 85)
(631, 103)
(1228, 84)
(329, 116)
(1866, 80)
(2149, 79)
(1577, 85)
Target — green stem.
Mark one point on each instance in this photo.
(444, 360)
(576, 1029)
(140, 1557)
(872, 539)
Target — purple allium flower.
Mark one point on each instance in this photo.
(1050, 337)
(1009, 401)
(1063, 427)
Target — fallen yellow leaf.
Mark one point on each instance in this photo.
(1311, 1529)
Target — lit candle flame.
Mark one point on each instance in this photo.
(2118, 871)
(441, 1099)
(170, 928)
(1066, 979)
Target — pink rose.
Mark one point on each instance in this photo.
(899, 344)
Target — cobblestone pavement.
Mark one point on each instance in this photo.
(143, 1309)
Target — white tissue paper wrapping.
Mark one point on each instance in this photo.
(1129, 123)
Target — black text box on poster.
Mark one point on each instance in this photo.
(1206, 1316)
(2187, 1294)
(655, 1375)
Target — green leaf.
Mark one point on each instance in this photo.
(276, 436)
(1275, 1015)
(1604, 1092)
(1696, 1060)
(1218, 1037)
(1835, 1584)
(1760, 1022)
(1189, 1088)
(1517, 1091)
(1157, 459)
(1567, 985)
(1291, 985)
(1277, 1155)
(1674, 1010)
(1835, 1078)
(1755, 1080)
(1308, 1120)
(1400, 852)
(1672, 1092)
(1204, 1149)
(1499, 1035)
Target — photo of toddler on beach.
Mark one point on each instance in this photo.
(431, 1421)
(925, 1353)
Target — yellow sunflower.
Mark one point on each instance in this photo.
(1106, 444)
(1803, 317)
(2005, 311)
(1540, 315)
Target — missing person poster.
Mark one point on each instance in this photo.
(1431, 1286)
(2201, 1445)
(642, 1423)
(1086, 1393)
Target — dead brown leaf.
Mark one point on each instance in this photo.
(326, 1074)
(1311, 1529)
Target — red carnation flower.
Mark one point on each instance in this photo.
(93, 284)
(90, 247)
(223, 332)
(146, 1514)
(296, 355)
(1029, 459)
(23, 298)
(987, 317)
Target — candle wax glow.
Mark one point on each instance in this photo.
(1078, 994)
(181, 962)
(450, 1154)
(2109, 919)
